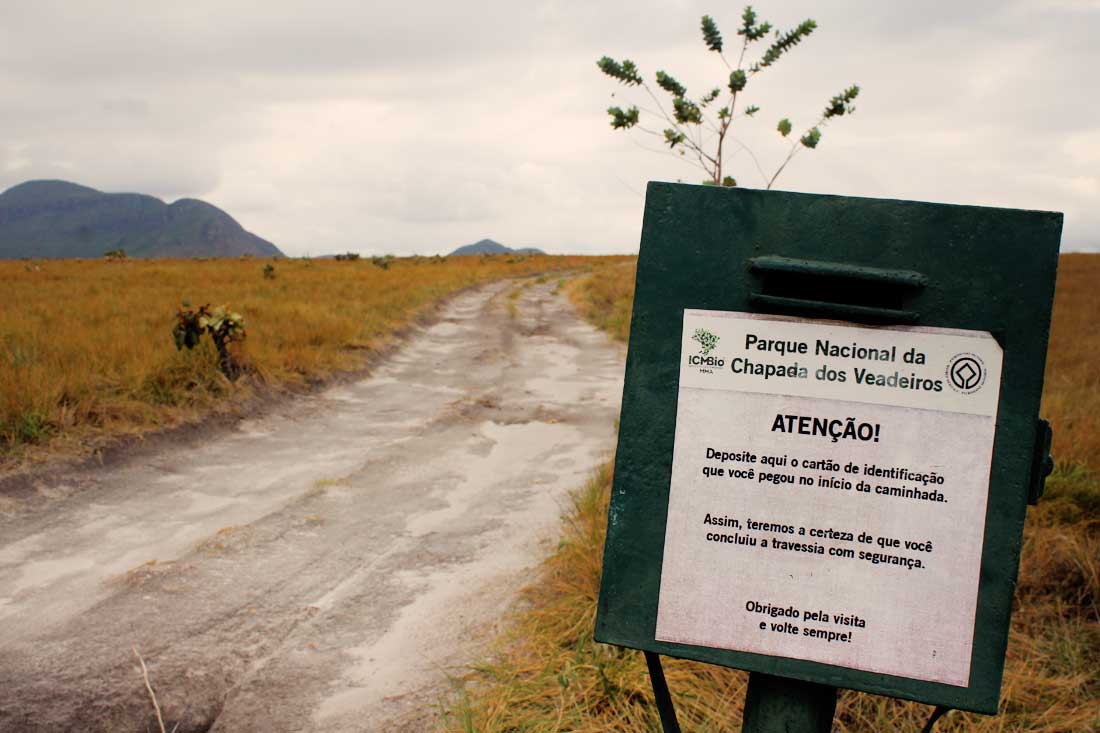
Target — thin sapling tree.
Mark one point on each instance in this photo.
(699, 128)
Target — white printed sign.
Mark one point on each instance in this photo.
(828, 495)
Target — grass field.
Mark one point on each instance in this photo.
(86, 352)
(546, 674)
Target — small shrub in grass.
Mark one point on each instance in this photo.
(224, 327)
(269, 271)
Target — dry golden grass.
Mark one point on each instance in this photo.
(606, 297)
(1071, 397)
(546, 674)
(86, 352)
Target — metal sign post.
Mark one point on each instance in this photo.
(778, 705)
(829, 436)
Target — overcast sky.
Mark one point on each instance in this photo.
(415, 127)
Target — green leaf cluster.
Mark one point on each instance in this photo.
(673, 138)
(841, 104)
(223, 322)
(670, 85)
(749, 29)
(626, 72)
(186, 332)
(784, 42)
(738, 80)
(686, 112)
(711, 36)
(623, 119)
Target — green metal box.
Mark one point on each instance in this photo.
(882, 279)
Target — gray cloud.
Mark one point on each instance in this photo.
(414, 128)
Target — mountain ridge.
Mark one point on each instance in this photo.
(488, 246)
(55, 219)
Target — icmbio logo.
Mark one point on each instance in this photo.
(707, 340)
(707, 343)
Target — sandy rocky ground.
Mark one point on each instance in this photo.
(323, 567)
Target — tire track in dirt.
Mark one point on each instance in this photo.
(322, 567)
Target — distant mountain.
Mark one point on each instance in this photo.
(61, 219)
(489, 247)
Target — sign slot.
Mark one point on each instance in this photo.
(835, 290)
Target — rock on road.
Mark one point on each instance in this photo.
(323, 566)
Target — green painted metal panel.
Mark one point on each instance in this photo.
(857, 259)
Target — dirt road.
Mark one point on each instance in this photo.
(325, 566)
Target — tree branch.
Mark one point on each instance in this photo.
(752, 155)
(796, 146)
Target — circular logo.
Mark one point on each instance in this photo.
(966, 373)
